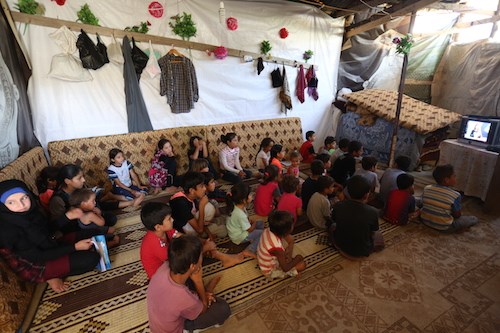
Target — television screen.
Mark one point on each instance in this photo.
(477, 130)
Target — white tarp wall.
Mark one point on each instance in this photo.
(230, 90)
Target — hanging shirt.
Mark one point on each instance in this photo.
(178, 82)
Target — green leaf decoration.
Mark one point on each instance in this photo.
(265, 47)
(30, 7)
(86, 16)
(183, 26)
(142, 28)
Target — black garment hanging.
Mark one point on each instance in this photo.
(92, 56)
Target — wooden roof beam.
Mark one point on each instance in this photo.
(358, 8)
(396, 10)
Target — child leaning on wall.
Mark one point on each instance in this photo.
(123, 177)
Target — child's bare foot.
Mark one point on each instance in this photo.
(113, 242)
(229, 260)
(111, 230)
(58, 285)
(211, 285)
(137, 201)
(249, 254)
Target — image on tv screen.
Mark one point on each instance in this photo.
(477, 130)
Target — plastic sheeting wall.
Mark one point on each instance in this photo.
(230, 90)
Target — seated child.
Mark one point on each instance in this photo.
(163, 167)
(267, 193)
(388, 179)
(184, 309)
(441, 208)
(289, 201)
(157, 218)
(367, 171)
(198, 149)
(318, 208)
(263, 156)
(46, 183)
(214, 225)
(239, 227)
(345, 165)
(122, 175)
(293, 169)
(277, 155)
(329, 147)
(325, 158)
(310, 187)
(356, 224)
(307, 148)
(400, 204)
(274, 260)
(229, 159)
(202, 165)
(341, 150)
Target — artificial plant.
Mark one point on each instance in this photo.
(183, 26)
(142, 28)
(29, 7)
(265, 47)
(86, 16)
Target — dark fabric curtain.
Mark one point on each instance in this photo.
(137, 113)
(21, 73)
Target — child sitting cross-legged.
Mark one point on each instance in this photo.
(400, 206)
(215, 225)
(276, 261)
(267, 193)
(441, 208)
(239, 227)
(355, 224)
(157, 218)
(310, 186)
(319, 207)
(289, 201)
(294, 169)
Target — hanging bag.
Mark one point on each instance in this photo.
(89, 53)
(152, 66)
(139, 58)
(103, 50)
(115, 52)
(276, 78)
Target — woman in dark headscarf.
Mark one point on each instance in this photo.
(28, 245)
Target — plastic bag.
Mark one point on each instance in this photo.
(152, 66)
(99, 242)
(90, 53)
(139, 58)
(115, 54)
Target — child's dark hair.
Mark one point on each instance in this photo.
(239, 193)
(113, 152)
(368, 162)
(275, 150)
(294, 154)
(441, 172)
(344, 143)
(280, 222)
(405, 181)
(358, 187)
(264, 143)
(199, 164)
(47, 174)
(317, 167)
(154, 213)
(68, 171)
(290, 183)
(403, 162)
(162, 142)
(309, 134)
(228, 137)
(79, 195)
(192, 179)
(208, 177)
(270, 174)
(192, 148)
(324, 182)
(329, 140)
(354, 146)
(183, 252)
(325, 158)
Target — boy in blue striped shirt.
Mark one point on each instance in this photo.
(442, 205)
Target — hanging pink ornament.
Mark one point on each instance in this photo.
(232, 23)
(155, 9)
(283, 33)
(220, 52)
(60, 2)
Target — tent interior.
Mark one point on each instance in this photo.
(454, 64)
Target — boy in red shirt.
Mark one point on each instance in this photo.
(400, 206)
(307, 148)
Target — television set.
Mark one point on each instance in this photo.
(480, 131)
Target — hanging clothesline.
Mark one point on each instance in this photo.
(158, 40)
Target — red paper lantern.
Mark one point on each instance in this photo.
(283, 33)
(60, 2)
(232, 23)
(155, 9)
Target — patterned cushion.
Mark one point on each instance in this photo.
(415, 115)
(92, 153)
(286, 131)
(26, 168)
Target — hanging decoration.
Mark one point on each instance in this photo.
(60, 2)
(307, 55)
(86, 16)
(220, 52)
(232, 23)
(183, 26)
(30, 7)
(142, 28)
(265, 47)
(403, 45)
(155, 9)
(283, 33)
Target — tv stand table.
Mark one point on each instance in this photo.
(475, 169)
